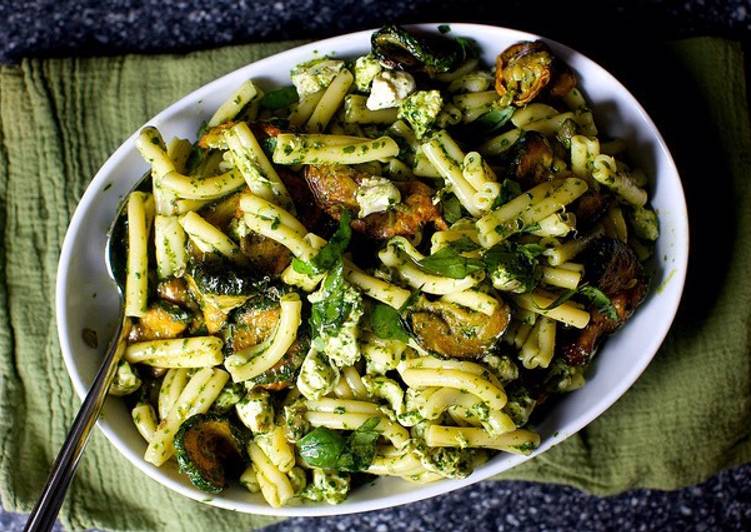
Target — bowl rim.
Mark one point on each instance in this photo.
(427, 490)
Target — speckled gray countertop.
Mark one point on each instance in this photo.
(50, 27)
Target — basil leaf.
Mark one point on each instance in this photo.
(561, 299)
(279, 98)
(530, 251)
(361, 447)
(328, 449)
(305, 268)
(513, 266)
(600, 301)
(464, 244)
(268, 145)
(330, 253)
(328, 314)
(411, 300)
(452, 209)
(386, 323)
(202, 129)
(321, 447)
(336, 246)
(469, 47)
(593, 295)
(493, 120)
(449, 263)
(509, 190)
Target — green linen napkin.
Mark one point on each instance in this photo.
(687, 417)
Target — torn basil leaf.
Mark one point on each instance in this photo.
(414, 296)
(279, 98)
(492, 120)
(329, 449)
(513, 267)
(321, 447)
(600, 301)
(449, 263)
(386, 323)
(452, 209)
(509, 190)
(464, 244)
(361, 447)
(593, 295)
(561, 299)
(329, 254)
(333, 308)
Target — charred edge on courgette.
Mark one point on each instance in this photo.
(207, 448)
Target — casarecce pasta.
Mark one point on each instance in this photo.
(382, 269)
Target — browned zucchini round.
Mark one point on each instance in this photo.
(523, 70)
(453, 331)
(161, 321)
(207, 447)
(252, 324)
(335, 188)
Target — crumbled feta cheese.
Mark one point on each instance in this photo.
(256, 411)
(314, 75)
(367, 67)
(341, 344)
(389, 89)
(317, 376)
(376, 194)
(420, 110)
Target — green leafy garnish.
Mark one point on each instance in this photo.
(304, 267)
(268, 145)
(531, 251)
(509, 190)
(328, 449)
(361, 447)
(203, 128)
(452, 209)
(600, 301)
(514, 267)
(593, 295)
(561, 299)
(464, 244)
(329, 254)
(332, 310)
(322, 448)
(493, 120)
(279, 98)
(449, 263)
(411, 300)
(386, 323)
(468, 46)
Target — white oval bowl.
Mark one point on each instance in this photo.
(85, 299)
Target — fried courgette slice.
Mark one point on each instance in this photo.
(208, 448)
(451, 330)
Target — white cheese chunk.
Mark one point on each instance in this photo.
(314, 75)
(376, 194)
(389, 88)
(367, 67)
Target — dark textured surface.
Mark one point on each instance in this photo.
(724, 503)
(45, 28)
(51, 27)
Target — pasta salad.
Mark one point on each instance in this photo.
(388, 267)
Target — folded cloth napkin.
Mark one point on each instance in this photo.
(686, 418)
